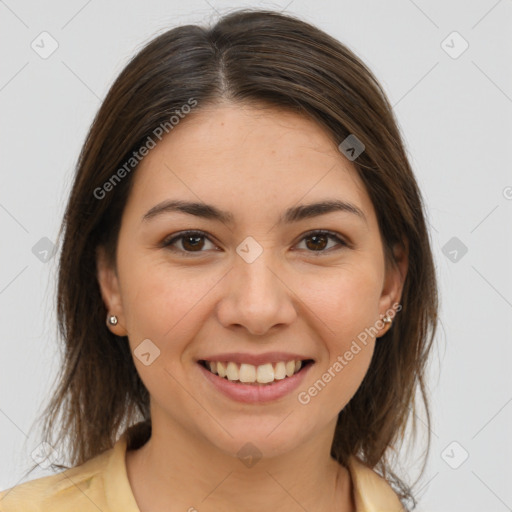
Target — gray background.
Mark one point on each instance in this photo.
(455, 112)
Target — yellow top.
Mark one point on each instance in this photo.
(102, 483)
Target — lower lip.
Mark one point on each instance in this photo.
(255, 393)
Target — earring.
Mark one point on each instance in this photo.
(387, 320)
(112, 319)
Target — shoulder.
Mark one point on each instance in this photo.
(372, 493)
(80, 489)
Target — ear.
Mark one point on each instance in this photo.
(396, 272)
(110, 291)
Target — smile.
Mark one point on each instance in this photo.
(250, 374)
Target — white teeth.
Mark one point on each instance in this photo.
(280, 371)
(232, 371)
(221, 369)
(250, 374)
(247, 373)
(265, 373)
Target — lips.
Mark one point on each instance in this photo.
(254, 392)
(254, 378)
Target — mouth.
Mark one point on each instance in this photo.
(256, 375)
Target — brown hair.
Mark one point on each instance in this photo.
(271, 59)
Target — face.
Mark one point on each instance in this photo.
(264, 283)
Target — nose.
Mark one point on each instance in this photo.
(256, 297)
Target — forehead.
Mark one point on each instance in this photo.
(236, 155)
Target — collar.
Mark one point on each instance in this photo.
(372, 493)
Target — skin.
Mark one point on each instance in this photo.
(255, 163)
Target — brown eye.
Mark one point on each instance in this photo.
(192, 243)
(187, 242)
(317, 241)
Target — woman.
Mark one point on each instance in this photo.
(246, 289)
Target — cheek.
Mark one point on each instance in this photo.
(346, 303)
(345, 299)
(161, 303)
(340, 374)
(338, 377)
(343, 377)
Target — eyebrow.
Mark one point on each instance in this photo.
(293, 214)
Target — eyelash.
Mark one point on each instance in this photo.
(167, 243)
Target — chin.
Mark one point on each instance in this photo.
(252, 438)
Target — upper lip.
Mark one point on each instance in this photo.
(255, 359)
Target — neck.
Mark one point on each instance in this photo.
(176, 469)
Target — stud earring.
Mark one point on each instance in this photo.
(387, 320)
(112, 319)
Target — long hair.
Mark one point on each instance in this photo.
(248, 56)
